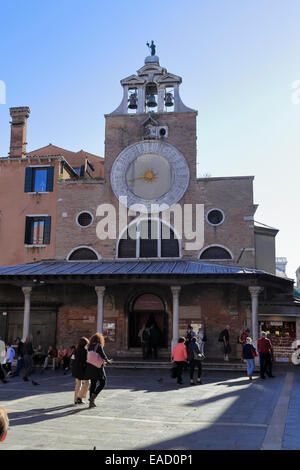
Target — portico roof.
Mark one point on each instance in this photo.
(131, 269)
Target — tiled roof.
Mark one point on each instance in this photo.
(71, 157)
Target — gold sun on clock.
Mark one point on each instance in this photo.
(149, 168)
(148, 176)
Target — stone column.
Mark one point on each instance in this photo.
(161, 100)
(255, 291)
(141, 100)
(26, 320)
(100, 308)
(175, 292)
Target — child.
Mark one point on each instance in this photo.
(9, 358)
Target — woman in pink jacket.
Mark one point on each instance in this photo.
(179, 356)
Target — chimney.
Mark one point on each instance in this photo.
(18, 131)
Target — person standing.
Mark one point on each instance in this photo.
(95, 371)
(249, 353)
(154, 339)
(264, 347)
(144, 336)
(243, 340)
(28, 359)
(190, 332)
(9, 358)
(194, 355)
(20, 356)
(226, 342)
(78, 371)
(201, 339)
(179, 356)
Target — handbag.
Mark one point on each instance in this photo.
(198, 356)
(253, 352)
(94, 358)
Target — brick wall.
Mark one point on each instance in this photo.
(234, 196)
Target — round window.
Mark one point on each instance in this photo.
(85, 219)
(215, 217)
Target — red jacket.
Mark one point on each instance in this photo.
(264, 345)
(179, 353)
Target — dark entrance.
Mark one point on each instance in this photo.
(145, 310)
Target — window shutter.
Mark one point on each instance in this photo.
(47, 230)
(28, 179)
(28, 227)
(82, 171)
(50, 178)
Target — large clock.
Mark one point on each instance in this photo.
(150, 173)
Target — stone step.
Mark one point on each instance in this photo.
(167, 365)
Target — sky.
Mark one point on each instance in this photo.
(239, 61)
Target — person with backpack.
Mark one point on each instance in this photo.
(79, 371)
(195, 357)
(249, 354)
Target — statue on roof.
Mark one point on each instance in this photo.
(151, 47)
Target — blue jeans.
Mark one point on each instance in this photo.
(250, 365)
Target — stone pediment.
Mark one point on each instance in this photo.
(169, 78)
(132, 80)
(150, 121)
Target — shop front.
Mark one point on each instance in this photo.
(282, 334)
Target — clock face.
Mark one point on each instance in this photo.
(149, 176)
(149, 173)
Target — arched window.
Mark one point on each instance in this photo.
(83, 253)
(148, 238)
(215, 252)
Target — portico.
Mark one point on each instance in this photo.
(92, 296)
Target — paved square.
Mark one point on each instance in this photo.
(145, 409)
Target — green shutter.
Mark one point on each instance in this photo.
(47, 230)
(28, 231)
(50, 178)
(28, 179)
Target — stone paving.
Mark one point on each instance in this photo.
(145, 409)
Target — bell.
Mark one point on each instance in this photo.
(151, 103)
(132, 101)
(169, 99)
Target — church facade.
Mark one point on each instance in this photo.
(113, 244)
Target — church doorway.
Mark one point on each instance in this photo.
(147, 310)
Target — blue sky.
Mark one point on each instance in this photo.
(238, 60)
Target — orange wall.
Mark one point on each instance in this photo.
(15, 204)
